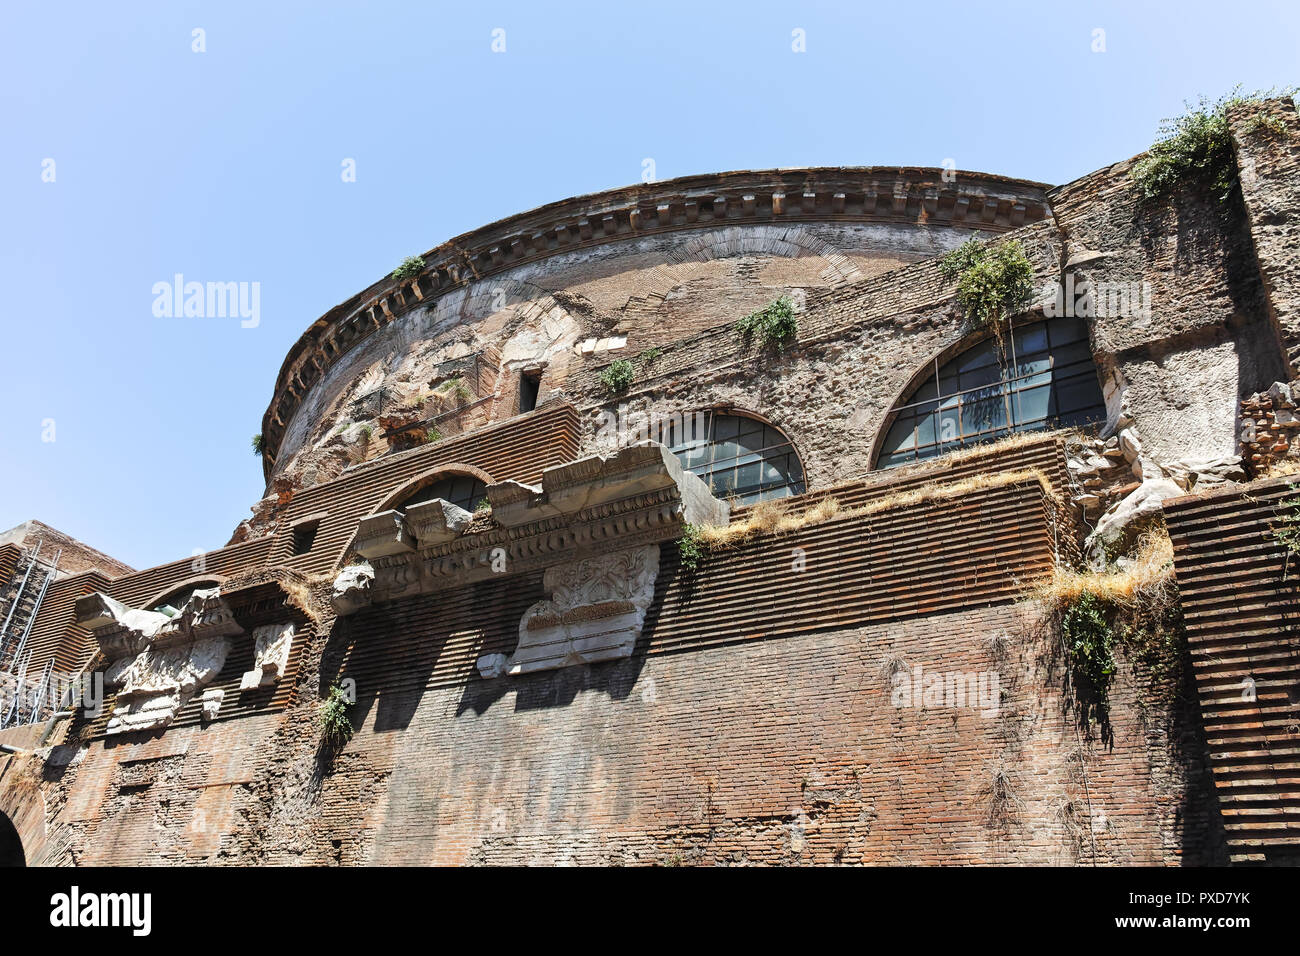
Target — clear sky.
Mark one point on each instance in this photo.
(226, 166)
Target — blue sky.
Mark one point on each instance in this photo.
(225, 166)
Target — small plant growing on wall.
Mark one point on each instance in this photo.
(1196, 150)
(617, 376)
(690, 550)
(411, 266)
(1286, 529)
(993, 282)
(1086, 633)
(259, 444)
(455, 389)
(483, 506)
(336, 718)
(774, 327)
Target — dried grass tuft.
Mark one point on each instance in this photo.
(1286, 466)
(1144, 577)
(774, 517)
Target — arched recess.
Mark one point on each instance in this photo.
(739, 454)
(175, 594)
(417, 489)
(11, 844)
(969, 394)
(421, 488)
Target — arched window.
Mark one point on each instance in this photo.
(738, 457)
(463, 490)
(173, 601)
(1049, 381)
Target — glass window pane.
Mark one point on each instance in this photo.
(1031, 338)
(746, 459)
(1032, 404)
(978, 357)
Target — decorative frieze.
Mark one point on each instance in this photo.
(158, 663)
(639, 495)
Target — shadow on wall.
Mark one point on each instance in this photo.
(11, 847)
(559, 688)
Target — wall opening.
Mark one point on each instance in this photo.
(739, 458)
(530, 385)
(11, 846)
(465, 491)
(304, 536)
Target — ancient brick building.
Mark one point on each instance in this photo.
(596, 572)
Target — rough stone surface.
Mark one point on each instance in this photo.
(351, 589)
(271, 646)
(436, 521)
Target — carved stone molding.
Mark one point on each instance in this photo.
(639, 495)
(351, 591)
(595, 613)
(158, 663)
(271, 646)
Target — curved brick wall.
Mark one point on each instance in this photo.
(644, 266)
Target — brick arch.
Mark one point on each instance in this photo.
(212, 580)
(22, 807)
(784, 241)
(426, 478)
(410, 487)
(12, 853)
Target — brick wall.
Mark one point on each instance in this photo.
(756, 722)
(1238, 587)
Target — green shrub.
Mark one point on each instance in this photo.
(259, 444)
(993, 282)
(617, 376)
(689, 549)
(336, 717)
(774, 326)
(1086, 631)
(1196, 150)
(432, 434)
(411, 266)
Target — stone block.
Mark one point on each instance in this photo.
(383, 534)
